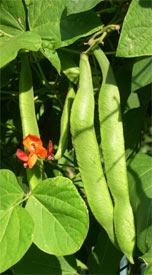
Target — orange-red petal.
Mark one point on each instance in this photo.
(32, 159)
(22, 155)
(31, 140)
(42, 152)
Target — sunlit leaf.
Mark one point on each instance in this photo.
(15, 235)
(60, 216)
(10, 191)
(76, 6)
(135, 38)
(12, 14)
(50, 20)
(9, 46)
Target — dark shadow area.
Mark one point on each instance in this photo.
(36, 261)
(145, 3)
(104, 253)
(133, 123)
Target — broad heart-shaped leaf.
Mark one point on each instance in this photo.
(102, 254)
(12, 15)
(36, 261)
(60, 216)
(141, 74)
(10, 46)
(10, 191)
(16, 225)
(147, 258)
(135, 38)
(16, 229)
(76, 6)
(49, 19)
(140, 190)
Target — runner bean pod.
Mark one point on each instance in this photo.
(65, 121)
(87, 150)
(112, 142)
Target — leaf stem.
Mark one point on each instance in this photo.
(5, 34)
(26, 196)
(103, 32)
(108, 10)
(70, 51)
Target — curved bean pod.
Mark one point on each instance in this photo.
(87, 150)
(28, 116)
(112, 141)
(65, 121)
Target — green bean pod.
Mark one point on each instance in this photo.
(65, 123)
(112, 141)
(28, 116)
(87, 150)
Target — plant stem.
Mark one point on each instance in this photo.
(45, 82)
(25, 198)
(70, 51)
(108, 10)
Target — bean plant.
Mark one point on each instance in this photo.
(76, 157)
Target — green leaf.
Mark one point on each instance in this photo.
(9, 46)
(135, 38)
(60, 216)
(147, 259)
(51, 55)
(76, 6)
(37, 262)
(15, 235)
(133, 101)
(140, 189)
(141, 74)
(69, 66)
(103, 253)
(12, 14)
(10, 191)
(16, 226)
(49, 19)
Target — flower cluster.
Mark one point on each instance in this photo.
(35, 148)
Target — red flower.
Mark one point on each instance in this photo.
(35, 147)
(22, 156)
